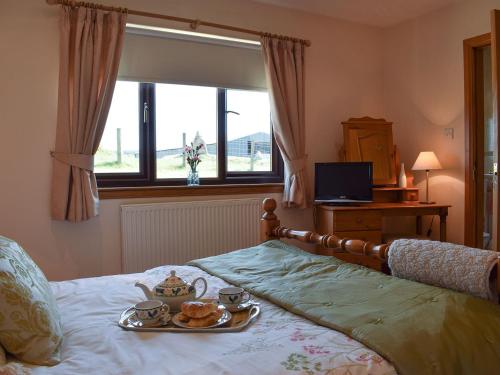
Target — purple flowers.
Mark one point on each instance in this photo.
(367, 357)
(192, 154)
(297, 336)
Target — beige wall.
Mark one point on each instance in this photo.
(344, 78)
(424, 94)
(411, 74)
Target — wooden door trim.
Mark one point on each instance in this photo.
(495, 66)
(472, 113)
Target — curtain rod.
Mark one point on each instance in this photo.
(193, 23)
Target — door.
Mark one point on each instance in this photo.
(482, 113)
(491, 135)
(481, 187)
(487, 171)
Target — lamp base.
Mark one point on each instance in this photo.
(427, 202)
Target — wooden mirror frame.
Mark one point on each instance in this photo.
(354, 152)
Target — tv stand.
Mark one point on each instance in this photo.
(364, 221)
(342, 204)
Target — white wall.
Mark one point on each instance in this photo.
(424, 93)
(344, 79)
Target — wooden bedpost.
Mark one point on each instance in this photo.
(270, 229)
(269, 220)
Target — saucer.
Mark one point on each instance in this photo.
(240, 307)
(136, 322)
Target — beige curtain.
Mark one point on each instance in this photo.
(90, 46)
(284, 63)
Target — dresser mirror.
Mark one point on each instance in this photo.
(369, 139)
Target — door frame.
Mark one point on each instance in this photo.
(474, 121)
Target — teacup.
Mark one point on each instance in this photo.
(150, 311)
(233, 296)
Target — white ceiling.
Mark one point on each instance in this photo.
(380, 13)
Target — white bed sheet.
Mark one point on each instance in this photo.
(277, 343)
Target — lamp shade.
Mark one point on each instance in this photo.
(426, 161)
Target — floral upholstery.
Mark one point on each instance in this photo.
(30, 326)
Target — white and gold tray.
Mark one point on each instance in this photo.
(237, 322)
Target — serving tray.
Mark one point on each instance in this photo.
(238, 322)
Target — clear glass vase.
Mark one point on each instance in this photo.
(193, 179)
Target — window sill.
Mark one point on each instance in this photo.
(187, 191)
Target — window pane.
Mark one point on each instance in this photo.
(248, 131)
(185, 114)
(119, 148)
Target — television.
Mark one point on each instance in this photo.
(345, 182)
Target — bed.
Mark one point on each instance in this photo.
(278, 342)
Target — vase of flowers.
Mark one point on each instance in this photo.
(193, 179)
(192, 155)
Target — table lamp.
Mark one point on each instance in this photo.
(426, 161)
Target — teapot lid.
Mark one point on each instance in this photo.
(172, 281)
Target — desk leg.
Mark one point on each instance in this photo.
(419, 225)
(442, 224)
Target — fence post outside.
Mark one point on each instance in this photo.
(252, 155)
(183, 154)
(119, 145)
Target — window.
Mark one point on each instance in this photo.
(119, 148)
(248, 131)
(149, 124)
(185, 114)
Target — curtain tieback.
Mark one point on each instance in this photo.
(296, 165)
(81, 161)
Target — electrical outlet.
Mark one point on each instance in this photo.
(449, 133)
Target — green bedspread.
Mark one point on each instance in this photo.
(420, 329)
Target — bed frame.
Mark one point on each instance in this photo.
(270, 229)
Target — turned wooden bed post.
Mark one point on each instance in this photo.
(270, 228)
(269, 220)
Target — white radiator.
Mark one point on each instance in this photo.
(174, 233)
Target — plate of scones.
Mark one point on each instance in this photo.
(197, 314)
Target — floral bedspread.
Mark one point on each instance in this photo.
(278, 342)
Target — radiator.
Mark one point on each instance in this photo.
(174, 233)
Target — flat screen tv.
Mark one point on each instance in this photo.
(347, 182)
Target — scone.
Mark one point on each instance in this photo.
(207, 321)
(197, 310)
(183, 318)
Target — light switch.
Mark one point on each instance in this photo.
(449, 133)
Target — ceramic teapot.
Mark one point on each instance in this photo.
(174, 291)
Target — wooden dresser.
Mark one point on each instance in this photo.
(349, 222)
(370, 139)
(364, 222)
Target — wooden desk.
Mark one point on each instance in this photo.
(365, 221)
